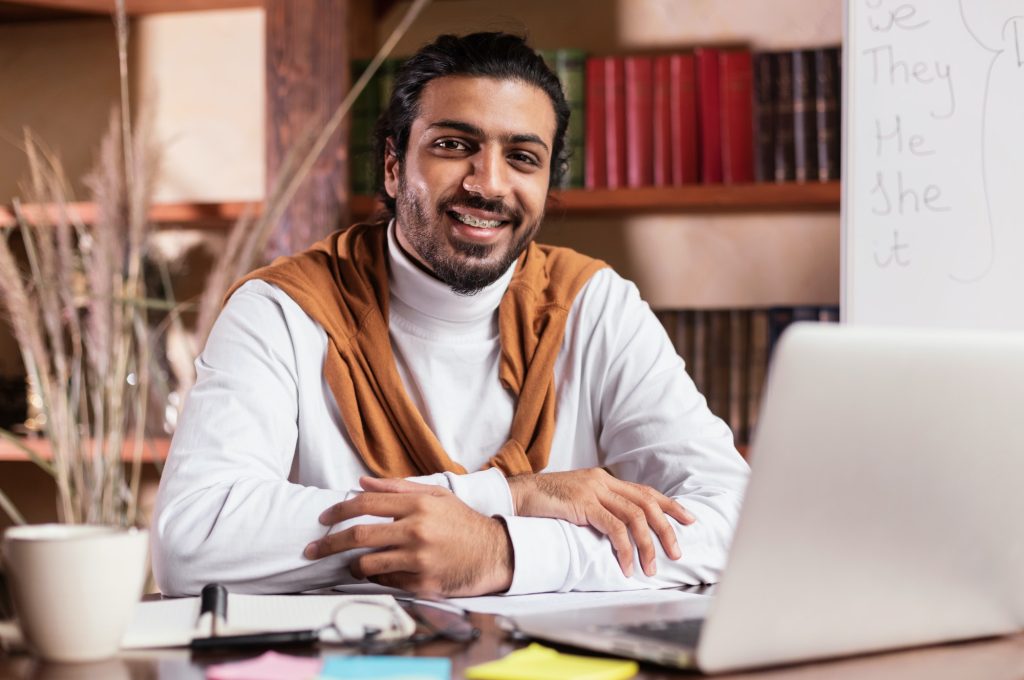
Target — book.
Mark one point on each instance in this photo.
(661, 105)
(782, 97)
(638, 73)
(739, 354)
(698, 353)
(569, 65)
(683, 139)
(173, 622)
(827, 84)
(365, 110)
(763, 115)
(736, 92)
(805, 136)
(595, 162)
(709, 112)
(757, 368)
(719, 349)
(615, 121)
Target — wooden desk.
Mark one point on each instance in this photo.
(995, 659)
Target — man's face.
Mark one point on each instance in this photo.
(470, 192)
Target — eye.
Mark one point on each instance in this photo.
(451, 145)
(524, 158)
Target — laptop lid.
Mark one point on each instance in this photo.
(883, 509)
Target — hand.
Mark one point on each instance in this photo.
(436, 546)
(617, 509)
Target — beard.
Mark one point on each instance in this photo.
(466, 268)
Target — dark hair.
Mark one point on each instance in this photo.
(492, 55)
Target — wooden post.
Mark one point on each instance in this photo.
(308, 56)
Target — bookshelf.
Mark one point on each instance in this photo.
(596, 26)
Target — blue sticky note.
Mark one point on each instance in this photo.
(386, 668)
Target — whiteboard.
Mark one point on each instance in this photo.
(933, 169)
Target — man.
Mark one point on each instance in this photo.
(396, 357)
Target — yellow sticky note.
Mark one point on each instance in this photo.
(537, 662)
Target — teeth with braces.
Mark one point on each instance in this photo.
(474, 222)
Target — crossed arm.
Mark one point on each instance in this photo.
(240, 505)
(437, 545)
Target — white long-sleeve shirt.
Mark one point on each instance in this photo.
(260, 449)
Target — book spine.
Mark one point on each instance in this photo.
(365, 110)
(709, 111)
(805, 137)
(615, 127)
(699, 353)
(638, 72)
(662, 124)
(683, 153)
(763, 116)
(719, 350)
(757, 368)
(595, 163)
(569, 66)
(783, 98)
(737, 100)
(739, 354)
(826, 109)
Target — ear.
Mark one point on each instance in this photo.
(392, 168)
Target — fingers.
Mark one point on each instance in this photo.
(379, 564)
(359, 536)
(655, 506)
(394, 505)
(610, 525)
(631, 514)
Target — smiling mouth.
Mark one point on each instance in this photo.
(478, 223)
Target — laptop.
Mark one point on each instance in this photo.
(883, 510)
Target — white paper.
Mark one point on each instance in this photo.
(519, 605)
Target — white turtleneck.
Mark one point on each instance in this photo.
(260, 450)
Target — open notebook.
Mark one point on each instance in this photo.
(172, 622)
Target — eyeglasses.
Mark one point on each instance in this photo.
(443, 620)
(433, 621)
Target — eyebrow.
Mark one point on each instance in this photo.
(473, 130)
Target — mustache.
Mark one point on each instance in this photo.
(480, 203)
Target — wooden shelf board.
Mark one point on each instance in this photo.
(213, 215)
(22, 10)
(721, 198)
(155, 450)
(697, 198)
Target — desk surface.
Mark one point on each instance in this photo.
(994, 659)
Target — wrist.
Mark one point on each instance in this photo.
(517, 487)
(503, 567)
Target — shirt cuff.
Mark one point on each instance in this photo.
(485, 491)
(542, 556)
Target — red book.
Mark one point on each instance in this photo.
(595, 166)
(662, 122)
(709, 111)
(736, 73)
(615, 121)
(639, 91)
(683, 119)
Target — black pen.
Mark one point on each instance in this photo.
(213, 607)
(283, 639)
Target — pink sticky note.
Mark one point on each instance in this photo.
(269, 666)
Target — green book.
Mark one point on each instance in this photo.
(365, 110)
(569, 65)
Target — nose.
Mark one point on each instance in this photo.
(487, 175)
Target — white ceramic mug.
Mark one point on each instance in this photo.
(74, 587)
